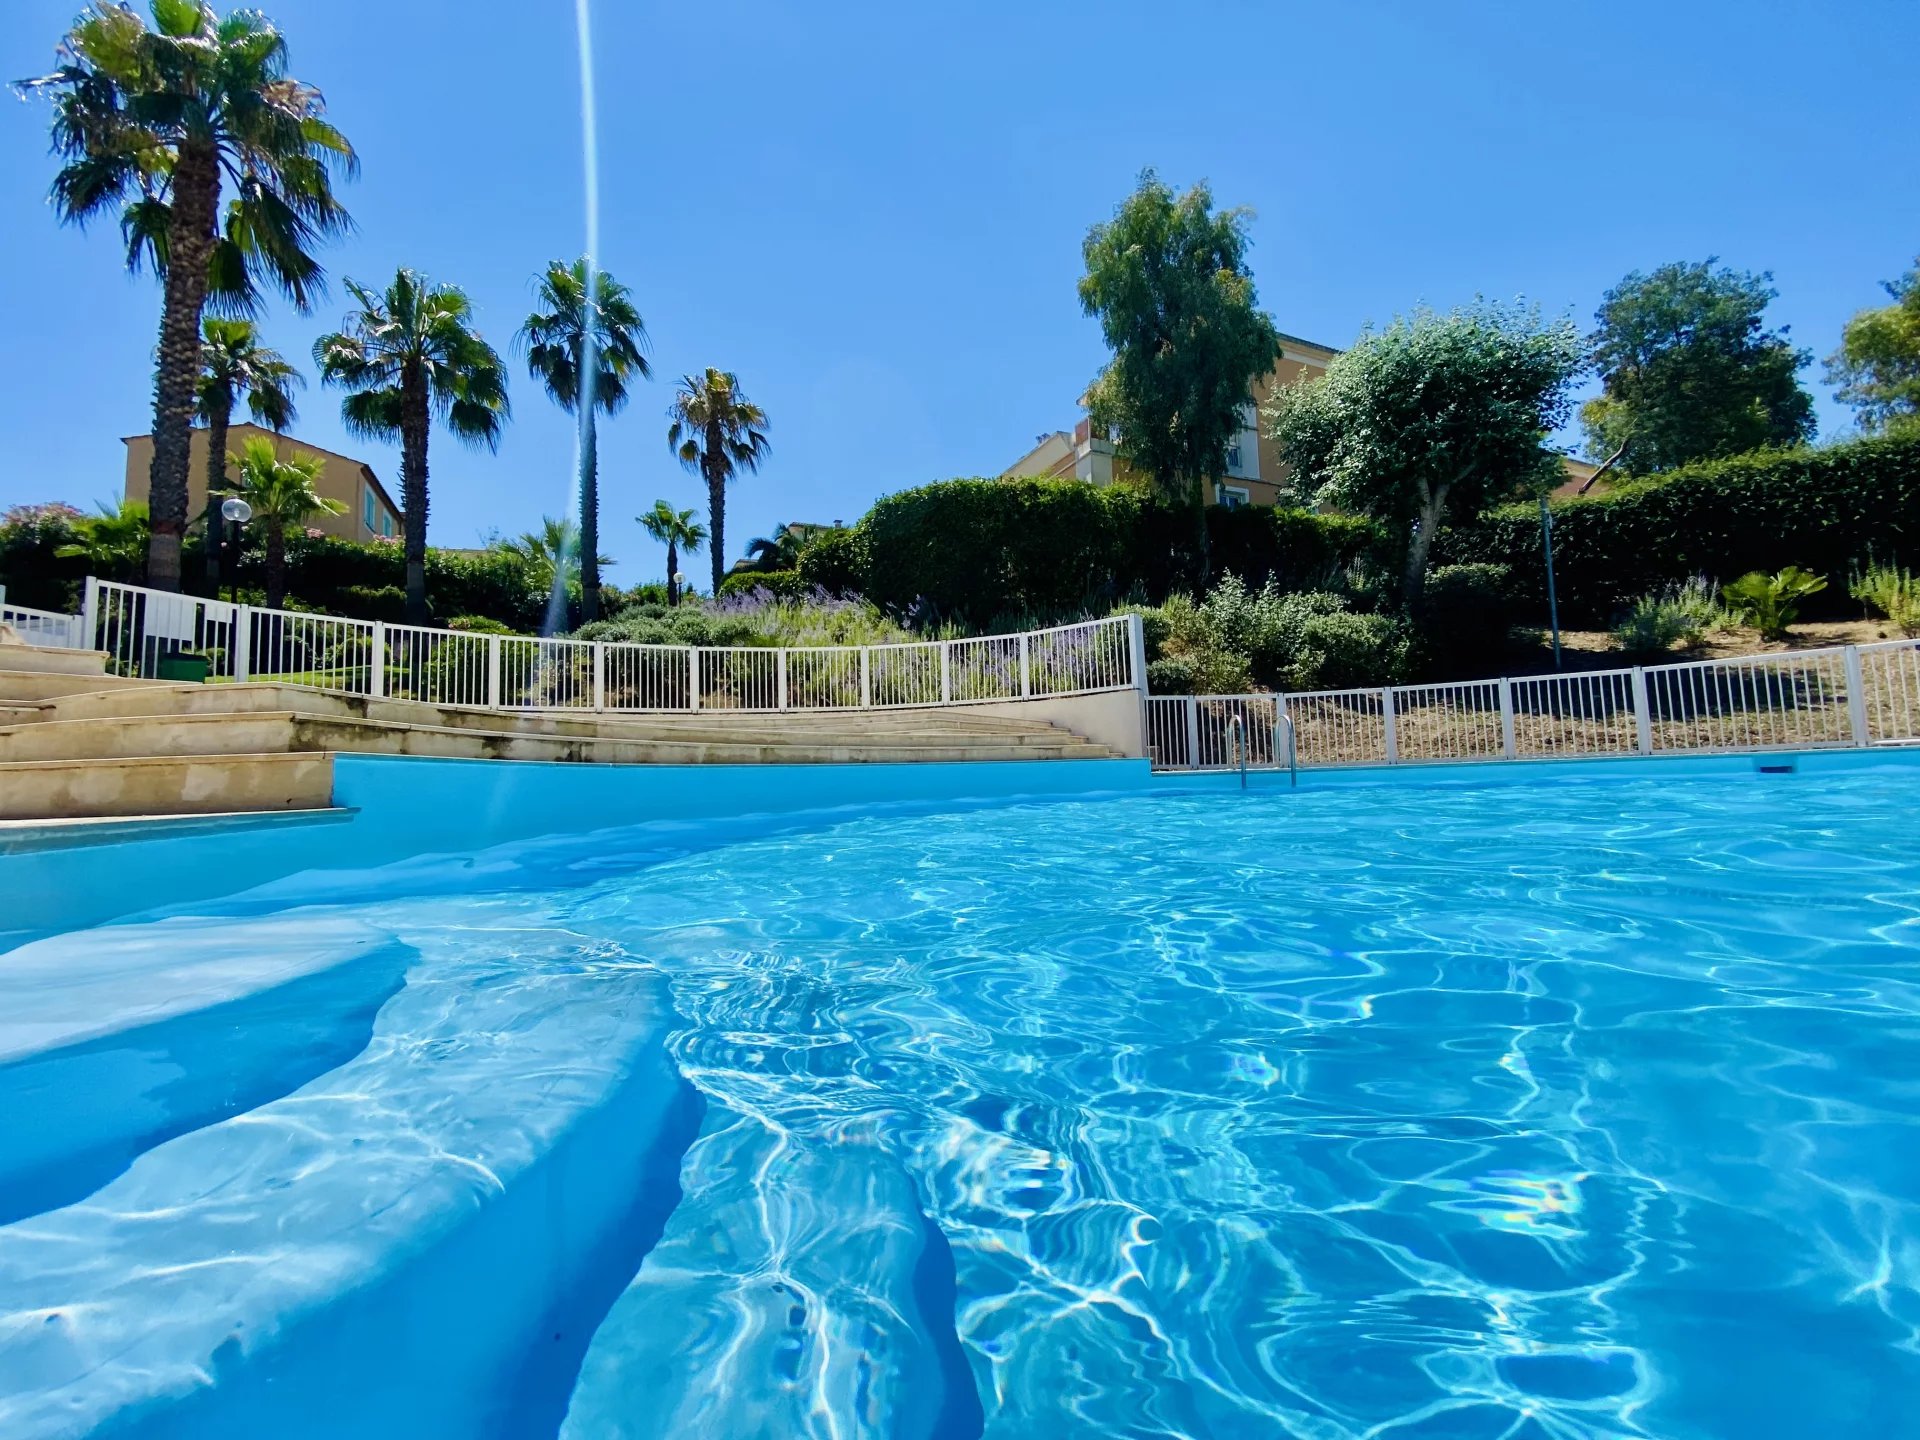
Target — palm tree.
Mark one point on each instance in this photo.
(552, 550)
(112, 542)
(778, 551)
(677, 530)
(406, 356)
(152, 122)
(717, 433)
(586, 326)
(281, 493)
(233, 364)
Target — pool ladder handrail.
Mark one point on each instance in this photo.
(1237, 741)
(1293, 754)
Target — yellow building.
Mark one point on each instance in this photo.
(369, 511)
(1255, 473)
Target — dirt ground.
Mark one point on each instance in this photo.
(1595, 650)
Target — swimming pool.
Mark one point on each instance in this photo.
(1557, 1109)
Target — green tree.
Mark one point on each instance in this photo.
(718, 433)
(677, 530)
(586, 325)
(153, 123)
(112, 541)
(235, 365)
(551, 551)
(1168, 279)
(1877, 367)
(1433, 415)
(778, 551)
(1690, 371)
(282, 493)
(405, 357)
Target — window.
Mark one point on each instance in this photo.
(1235, 497)
(366, 507)
(1233, 457)
(386, 523)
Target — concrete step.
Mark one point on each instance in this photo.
(717, 726)
(46, 660)
(31, 687)
(264, 732)
(171, 785)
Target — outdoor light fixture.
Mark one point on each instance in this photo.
(236, 512)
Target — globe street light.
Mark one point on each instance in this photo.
(236, 513)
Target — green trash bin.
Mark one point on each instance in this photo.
(183, 665)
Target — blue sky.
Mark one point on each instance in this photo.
(873, 212)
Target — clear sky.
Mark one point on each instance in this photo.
(873, 212)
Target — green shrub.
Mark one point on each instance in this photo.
(1171, 675)
(32, 570)
(1343, 651)
(1892, 592)
(835, 561)
(479, 625)
(780, 584)
(1771, 603)
(372, 602)
(1656, 624)
(1465, 615)
(1827, 509)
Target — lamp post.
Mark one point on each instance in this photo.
(679, 585)
(236, 513)
(1553, 599)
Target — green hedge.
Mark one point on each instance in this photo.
(983, 548)
(781, 584)
(1826, 509)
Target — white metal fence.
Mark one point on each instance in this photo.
(40, 627)
(1844, 696)
(139, 629)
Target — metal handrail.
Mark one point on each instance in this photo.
(1237, 728)
(1293, 751)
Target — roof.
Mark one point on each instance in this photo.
(367, 470)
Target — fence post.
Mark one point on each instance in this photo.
(1856, 696)
(1642, 719)
(242, 644)
(693, 677)
(866, 678)
(377, 661)
(946, 672)
(493, 672)
(1507, 746)
(1026, 681)
(780, 674)
(1137, 652)
(90, 615)
(599, 674)
(1393, 734)
(1193, 732)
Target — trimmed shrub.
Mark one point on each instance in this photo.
(1465, 614)
(479, 625)
(1342, 651)
(835, 561)
(1171, 675)
(1826, 509)
(373, 602)
(780, 584)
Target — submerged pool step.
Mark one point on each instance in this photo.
(788, 1285)
(371, 1254)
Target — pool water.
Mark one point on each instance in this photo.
(1549, 1110)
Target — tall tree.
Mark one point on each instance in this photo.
(1431, 416)
(1877, 367)
(717, 433)
(778, 551)
(406, 356)
(282, 493)
(550, 553)
(235, 365)
(586, 326)
(677, 530)
(1168, 279)
(1690, 370)
(153, 123)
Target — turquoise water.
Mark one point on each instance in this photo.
(1560, 1110)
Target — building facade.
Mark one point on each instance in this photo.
(1255, 474)
(369, 512)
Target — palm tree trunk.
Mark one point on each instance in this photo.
(190, 238)
(716, 503)
(589, 519)
(217, 422)
(673, 565)
(276, 562)
(415, 420)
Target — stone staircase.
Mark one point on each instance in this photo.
(78, 743)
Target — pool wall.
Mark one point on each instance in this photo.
(404, 806)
